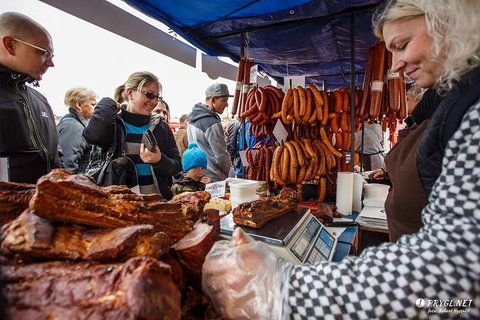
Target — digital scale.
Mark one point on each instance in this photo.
(296, 236)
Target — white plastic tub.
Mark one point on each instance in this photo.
(243, 191)
(376, 191)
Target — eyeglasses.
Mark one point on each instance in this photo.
(45, 53)
(150, 95)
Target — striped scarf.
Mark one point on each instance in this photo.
(136, 125)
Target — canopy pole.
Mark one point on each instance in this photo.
(243, 125)
(242, 46)
(352, 92)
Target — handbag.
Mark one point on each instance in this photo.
(108, 170)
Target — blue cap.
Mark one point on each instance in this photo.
(194, 157)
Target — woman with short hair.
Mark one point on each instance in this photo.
(75, 149)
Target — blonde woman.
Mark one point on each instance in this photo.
(154, 168)
(76, 151)
(432, 273)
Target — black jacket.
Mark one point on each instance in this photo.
(75, 149)
(425, 108)
(443, 124)
(100, 132)
(28, 135)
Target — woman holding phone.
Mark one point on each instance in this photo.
(129, 124)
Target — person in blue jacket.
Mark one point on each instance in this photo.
(235, 132)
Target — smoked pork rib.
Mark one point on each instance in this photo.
(140, 288)
(14, 198)
(30, 237)
(194, 247)
(71, 198)
(257, 213)
(195, 202)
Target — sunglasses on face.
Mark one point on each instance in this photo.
(150, 95)
(45, 53)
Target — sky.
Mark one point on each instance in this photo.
(89, 56)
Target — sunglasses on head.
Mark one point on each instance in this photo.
(150, 95)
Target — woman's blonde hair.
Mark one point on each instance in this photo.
(454, 26)
(135, 81)
(78, 94)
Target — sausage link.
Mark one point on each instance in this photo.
(276, 163)
(285, 165)
(322, 189)
(299, 152)
(309, 149)
(345, 101)
(317, 97)
(285, 104)
(325, 107)
(347, 137)
(334, 123)
(321, 159)
(338, 101)
(344, 121)
(338, 140)
(296, 105)
(328, 157)
(325, 140)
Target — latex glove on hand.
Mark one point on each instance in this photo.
(245, 279)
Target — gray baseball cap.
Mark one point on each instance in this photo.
(217, 90)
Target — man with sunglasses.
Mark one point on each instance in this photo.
(28, 135)
(206, 130)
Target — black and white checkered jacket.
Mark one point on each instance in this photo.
(436, 268)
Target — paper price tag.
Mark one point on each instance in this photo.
(280, 132)
(216, 189)
(243, 157)
(253, 74)
(295, 80)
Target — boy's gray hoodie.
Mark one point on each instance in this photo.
(205, 129)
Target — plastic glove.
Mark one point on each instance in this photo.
(245, 279)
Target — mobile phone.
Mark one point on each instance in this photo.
(148, 139)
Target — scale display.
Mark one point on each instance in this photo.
(296, 236)
(304, 241)
(323, 247)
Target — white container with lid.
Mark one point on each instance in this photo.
(243, 190)
(376, 191)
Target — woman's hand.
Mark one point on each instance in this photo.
(148, 156)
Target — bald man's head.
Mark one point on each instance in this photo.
(26, 46)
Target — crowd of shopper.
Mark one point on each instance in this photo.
(433, 213)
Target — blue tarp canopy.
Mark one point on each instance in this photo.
(284, 37)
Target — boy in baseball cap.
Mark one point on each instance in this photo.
(194, 162)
